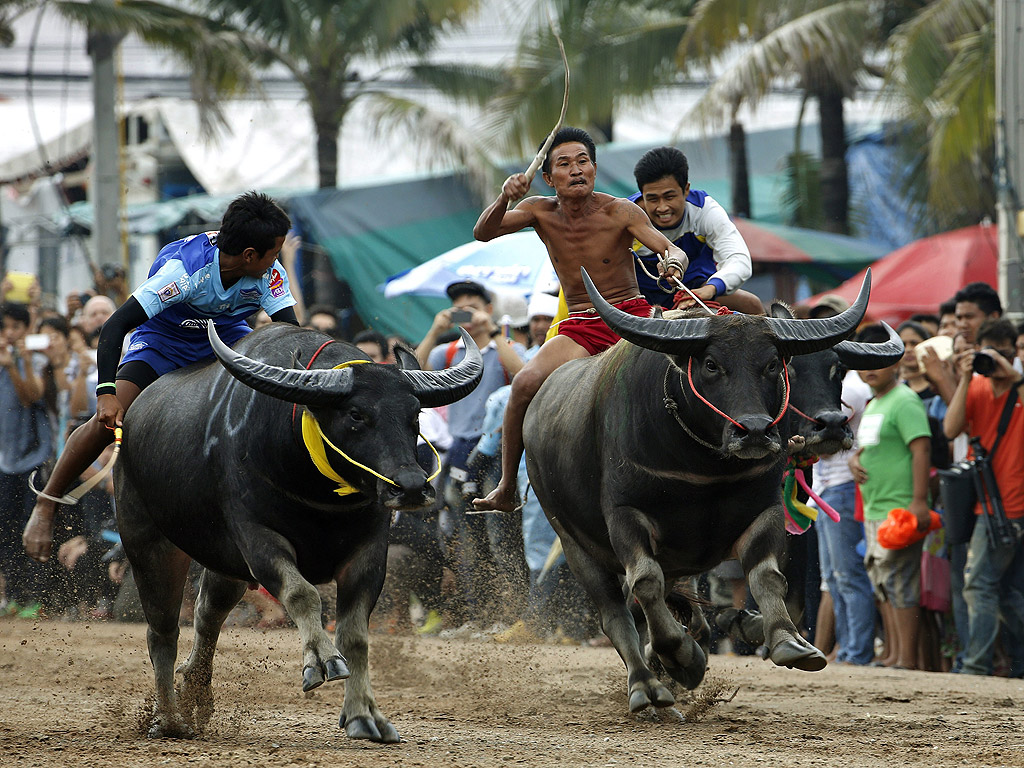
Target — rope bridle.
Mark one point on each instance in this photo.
(314, 439)
(673, 407)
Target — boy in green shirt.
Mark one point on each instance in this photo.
(891, 465)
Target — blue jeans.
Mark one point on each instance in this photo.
(843, 570)
(994, 590)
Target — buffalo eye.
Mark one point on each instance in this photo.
(710, 366)
(356, 416)
(773, 367)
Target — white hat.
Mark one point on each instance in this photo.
(542, 304)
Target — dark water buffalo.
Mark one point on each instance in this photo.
(214, 468)
(816, 419)
(660, 458)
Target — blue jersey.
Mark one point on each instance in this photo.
(184, 290)
(718, 255)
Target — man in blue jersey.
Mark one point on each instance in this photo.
(694, 221)
(223, 276)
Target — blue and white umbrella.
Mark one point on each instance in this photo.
(515, 264)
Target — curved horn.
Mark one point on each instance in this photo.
(315, 387)
(685, 336)
(858, 356)
(801, 337)
(434, 388)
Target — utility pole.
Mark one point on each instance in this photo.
(105, 181)
(1010, 153)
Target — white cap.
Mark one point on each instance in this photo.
(542, 304)
(512, 306)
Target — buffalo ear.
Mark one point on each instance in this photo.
(405, 358)
(781, 310)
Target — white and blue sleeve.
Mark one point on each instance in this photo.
(168, 286)
(277, 294)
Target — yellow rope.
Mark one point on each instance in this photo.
(314, 438)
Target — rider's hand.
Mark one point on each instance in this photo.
(109, 411)
(704, 293)
(516, 186)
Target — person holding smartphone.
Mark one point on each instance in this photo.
(26, 441)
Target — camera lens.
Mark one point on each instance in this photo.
(984, 364)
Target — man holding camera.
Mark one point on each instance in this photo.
(471, 309)
(994, 576)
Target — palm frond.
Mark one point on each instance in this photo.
(470, 83)
(825, 44)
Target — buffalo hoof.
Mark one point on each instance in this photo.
(364, 727)
(313, 677)
(647, 693)
(170, 727)
(744, 625)
(336, 669)
(798, 655)
(688, 672)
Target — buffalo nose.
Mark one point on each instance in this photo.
(755, 427)
(410, 486)
(831, 420)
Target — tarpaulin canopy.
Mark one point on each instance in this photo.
(923, 274)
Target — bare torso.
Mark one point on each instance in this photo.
(593, 233)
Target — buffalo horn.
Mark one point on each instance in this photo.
(313, 387)
(685, 336)
(802, 337)
(436, 388)
(858, 356)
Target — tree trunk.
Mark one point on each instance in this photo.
(835, 192)
(739, 171)
(327, 130)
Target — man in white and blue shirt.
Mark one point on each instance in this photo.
(223, 276)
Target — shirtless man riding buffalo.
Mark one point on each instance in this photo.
(581, 228)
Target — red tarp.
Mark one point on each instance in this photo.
(923, 274)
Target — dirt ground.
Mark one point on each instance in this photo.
(74, 695)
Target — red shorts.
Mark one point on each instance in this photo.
(588, 330)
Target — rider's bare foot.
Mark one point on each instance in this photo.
(38, 535)
(501, 499)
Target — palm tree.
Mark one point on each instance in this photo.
(322, 43)
(941, 83)
(822, 47)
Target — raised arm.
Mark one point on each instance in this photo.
(497, 220)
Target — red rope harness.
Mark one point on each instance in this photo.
(308, 366)
(811, 419)
(723, 414)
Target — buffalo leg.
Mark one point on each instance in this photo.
(617, 623)
(217, 596)
(678, 652)
(359, 586)
(274, 567)
(761, 549)
(159, 569)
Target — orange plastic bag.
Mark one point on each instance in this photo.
(900, 529)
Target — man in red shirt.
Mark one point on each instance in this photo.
(994, 576)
